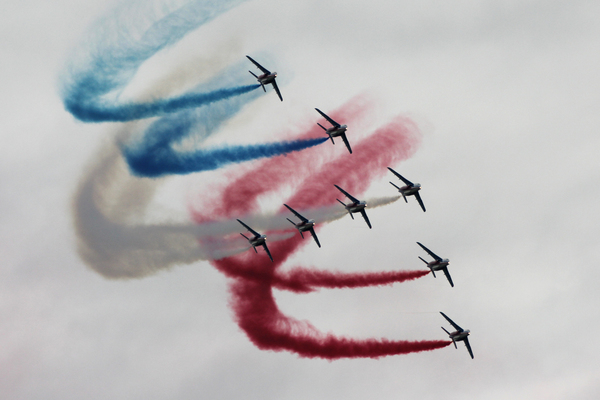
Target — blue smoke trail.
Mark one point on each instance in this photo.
(101, 111)
(158, 159)
(90, 91)
(154, 154)
(124, 41)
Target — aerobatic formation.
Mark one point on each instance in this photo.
(116, 192)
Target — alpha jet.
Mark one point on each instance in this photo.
(266, 77)
(459, 335)
(336, 130)
(409, 189)
(304, 225)
(438, 264)
(355, 206)
(257, 240)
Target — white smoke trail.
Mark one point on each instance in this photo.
(108, 212)
(382, 201)
(113, 239)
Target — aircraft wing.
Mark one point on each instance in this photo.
(268, 252)
(431, 253)
(277, 89)
(468, 347)
(458, 328)
(448, 276)
(332, 122)
(354, 199)
(345, 139)
(364, 214)
(296, 213)
(263, 69)
(314, 235)
(418, 196)
(403, 179)
(250, 229)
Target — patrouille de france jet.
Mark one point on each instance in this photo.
(304, 225)
(409, 188)
(459, 335)
(266, 77)
(355, 206)
(438, 264)
(257, 240)
(336, 130)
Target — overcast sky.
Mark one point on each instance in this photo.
(506, 94)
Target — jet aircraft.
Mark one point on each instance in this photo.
(438, 264)
(266, 77)
(336, 130)
(355, 206)
(304, 225)
(410, 189)
(257, 240)
(459, 335)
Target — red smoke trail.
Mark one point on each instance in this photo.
(304, 280)
(254, 277)
(269, 329)
(239, 197)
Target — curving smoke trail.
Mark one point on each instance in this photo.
(120, 44)
(110, 206)
(91, 92)
(254, 277)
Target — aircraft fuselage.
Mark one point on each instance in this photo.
(258, 240)
(410, 190)
(438, 265)
(337, 131)
(356, 207)
(265, 79)
(457, 336)
(305, 226)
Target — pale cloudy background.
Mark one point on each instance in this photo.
(507, 94)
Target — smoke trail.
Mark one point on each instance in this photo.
(269, 329)
(304, 280)
(120, 45)
(109, 208)
(158, 159)
(114, 239)
(254, 278)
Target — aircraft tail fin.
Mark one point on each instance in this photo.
(396, 186)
